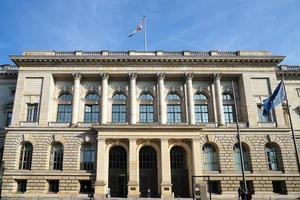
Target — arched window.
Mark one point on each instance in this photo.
(64, 110)
(91, 109)
(119, 108)
(56, 156)
(210, 157)
(174, 108)
(246, 157)
(274, 158)
(201, 108)
(25, 156)
(146, 108)
(228, 106)
(87, 156)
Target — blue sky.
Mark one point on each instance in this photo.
(171, 25)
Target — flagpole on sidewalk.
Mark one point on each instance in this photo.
(238, 137)
(291, 124)
(145, 34)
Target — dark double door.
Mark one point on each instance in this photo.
(118, 172)
(179, 172)
(148, 172)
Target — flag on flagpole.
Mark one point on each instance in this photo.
(275, 99)
(139, 27)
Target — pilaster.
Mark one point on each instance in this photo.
(219, 102)
(101, 173)
(76, 98)
(133, 183)
(132, 77)
(191, 106)
(104, 97)
(166, 184)
(162, 102)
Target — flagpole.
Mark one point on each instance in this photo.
(238, 137)
(145, 34)
(291, 124)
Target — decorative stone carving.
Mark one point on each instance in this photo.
(161, 75)
(77, 75)
(217, 75)
(132, 75)
(189, 76)
(104, 75)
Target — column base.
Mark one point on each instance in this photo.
(166, 190)
(100, 189)
(133, 189)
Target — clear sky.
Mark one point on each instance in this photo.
(171, 25)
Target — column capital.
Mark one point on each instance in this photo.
(104, 76)
(217, 75)
(132, 75)
(77, 75)
(189, 76)
(161, 75)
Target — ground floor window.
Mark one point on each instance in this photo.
(279, 187)
(250, 186)
(53, 186)
(21, 186)
(85, 186)
(214, 187)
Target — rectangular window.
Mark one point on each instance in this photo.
(91, 113)
(21, 186)
(32, 112)
(214, 187)
(119, 113)
(229, 114)
(261, 117)
(64, 113)
(53, 186)
(8, 118)
(201, 113)
(146, 113)
(174, 113)
(279, 187)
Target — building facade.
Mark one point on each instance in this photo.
(149, 124)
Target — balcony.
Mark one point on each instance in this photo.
(59, 124)
(29, 124)
(233, 125)
(266, 124)
(86, 124)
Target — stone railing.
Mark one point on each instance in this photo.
(149, 53)
(59, 124)
(29, 124)
(266, 124)
(233, 125)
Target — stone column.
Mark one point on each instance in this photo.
(162, 102)
(218, 91)
(104, 97)
(101, 173)
(132, 91)
(76, 98)
(133, 183)
(166, 183)
(190, 92)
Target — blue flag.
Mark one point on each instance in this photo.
(275, 99)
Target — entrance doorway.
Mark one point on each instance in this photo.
(118, 172)
(148, 172)
(179, 172)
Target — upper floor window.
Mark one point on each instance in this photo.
(87, 158)
(119, 108)
(273, 157)
(32, 112)
(261, 117)
(246, 157)
(146, 108)
(201, 108)
(8, 118)
(25, 156)
(91, 110)
(56, 156)
(210, 157)
(174, 108)
(64, 110)
(228, 106)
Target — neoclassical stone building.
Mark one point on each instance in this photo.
(143, 123)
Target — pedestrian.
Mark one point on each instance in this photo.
(91, 195)
(249, 196)
(244, 194)
(239, 192)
